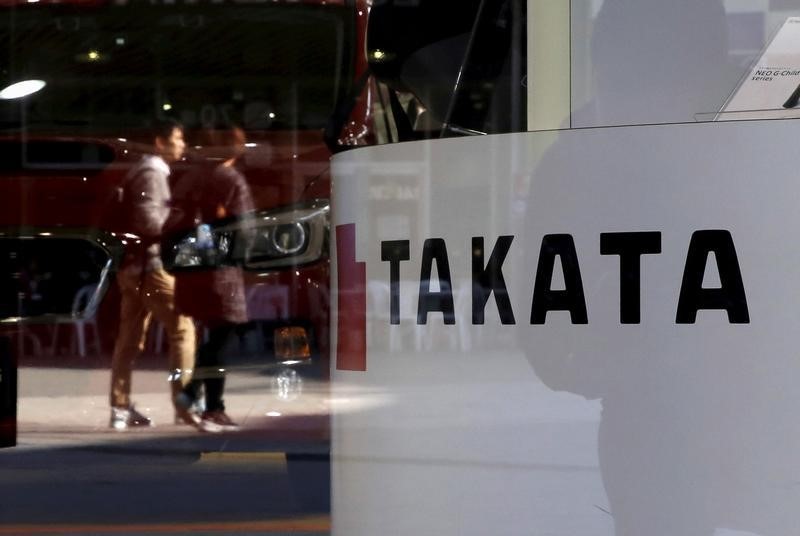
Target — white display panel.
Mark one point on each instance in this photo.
(682, 422)
(770, 90)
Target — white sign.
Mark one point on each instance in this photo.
(772, 88)
(569, 333)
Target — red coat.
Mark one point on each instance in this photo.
(214, 296)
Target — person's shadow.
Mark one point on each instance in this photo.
(692, 438)
(698, 428)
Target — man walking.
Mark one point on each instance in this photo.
(146, 289)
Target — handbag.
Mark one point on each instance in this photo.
(188, 242)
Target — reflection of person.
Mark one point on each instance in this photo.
(215, 296)
(146, 289)
(650, 447)
(698, 432)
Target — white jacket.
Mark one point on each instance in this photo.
(147, 201)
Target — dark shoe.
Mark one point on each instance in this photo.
(187, 416)
(217, 421)
(124, 418)
(186, 411)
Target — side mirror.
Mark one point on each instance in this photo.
(462, 60)
(442, 68)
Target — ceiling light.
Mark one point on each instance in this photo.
(21, 89)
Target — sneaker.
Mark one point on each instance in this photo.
(217, 421)
(124, 418)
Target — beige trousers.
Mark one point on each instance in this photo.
(155, 298)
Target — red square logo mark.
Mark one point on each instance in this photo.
(351, 346)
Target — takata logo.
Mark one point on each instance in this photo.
(436, 292)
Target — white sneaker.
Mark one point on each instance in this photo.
(124, 418)
(119, 418)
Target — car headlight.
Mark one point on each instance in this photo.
(289, 237)
(270, 239)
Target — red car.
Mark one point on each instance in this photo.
(80, 81)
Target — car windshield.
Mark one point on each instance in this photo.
(275, 66)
